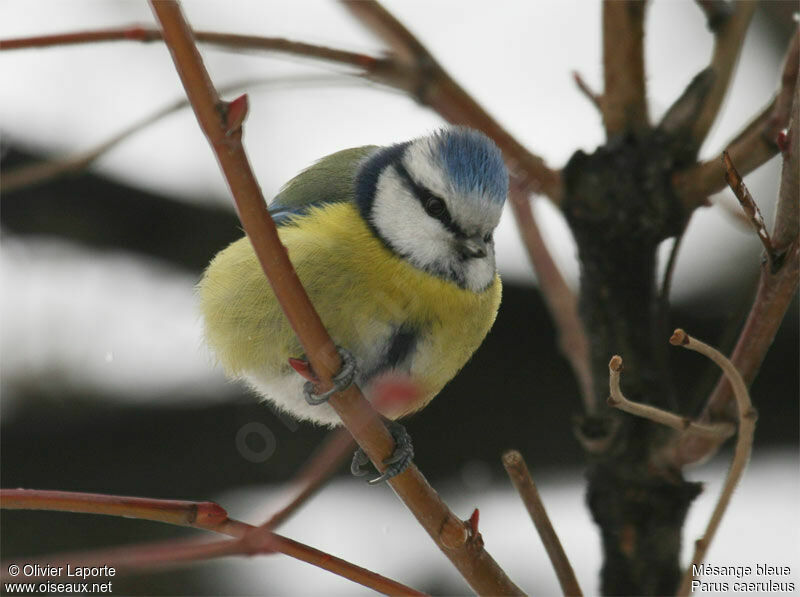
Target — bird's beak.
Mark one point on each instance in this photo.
(473, 247)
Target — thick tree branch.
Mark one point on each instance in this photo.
(474, 563)
(624, 98)
(776, 289)
(744, 445)
(520, 476)
(201, 515)
(559, 298)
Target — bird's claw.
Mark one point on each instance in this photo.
(341, 381)
(397, 462)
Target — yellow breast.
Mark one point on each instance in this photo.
(362, 292)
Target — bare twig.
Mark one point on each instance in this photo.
(421, 77)
(625, 94)
(474, 563)
(202, 515)
(229, 41)
(592, 96)
(744, 445)
(521, 478)
(735, 182)
(560, 300)
(728, 41)
(658, 415)
(338, 446)
(776, 289)
(28, 175)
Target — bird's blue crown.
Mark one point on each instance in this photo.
(473, 162)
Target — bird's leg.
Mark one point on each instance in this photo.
(341, 381)
(397, 462)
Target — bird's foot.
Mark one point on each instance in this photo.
(341, 381)
(396, 463)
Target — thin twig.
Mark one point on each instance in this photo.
(592, 96)
(322, 465)
(740, 190)
(520, 476)
(744, 445)
(40, 172)
(559, 298)
(474, 563)
(444, 95)
(684, 424)
(27, 175)
(232, 41)
(202, 515)
(776, 290)
(625, 94)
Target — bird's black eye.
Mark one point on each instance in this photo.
(488, 238)
(435, 207)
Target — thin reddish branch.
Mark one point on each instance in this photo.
(474, 563)
(421, 77)
(204, 515)
(746, 415)
(776, 290)
(624, 100)
(559, 298)
(249, 540)
(40, 172)
(591, 95)
(520, 476)
(231, 41)
(337, 448)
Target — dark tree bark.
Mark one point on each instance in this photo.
(620, 205)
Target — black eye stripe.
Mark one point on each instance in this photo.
(423, 195)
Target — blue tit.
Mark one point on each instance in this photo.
(394, 246)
